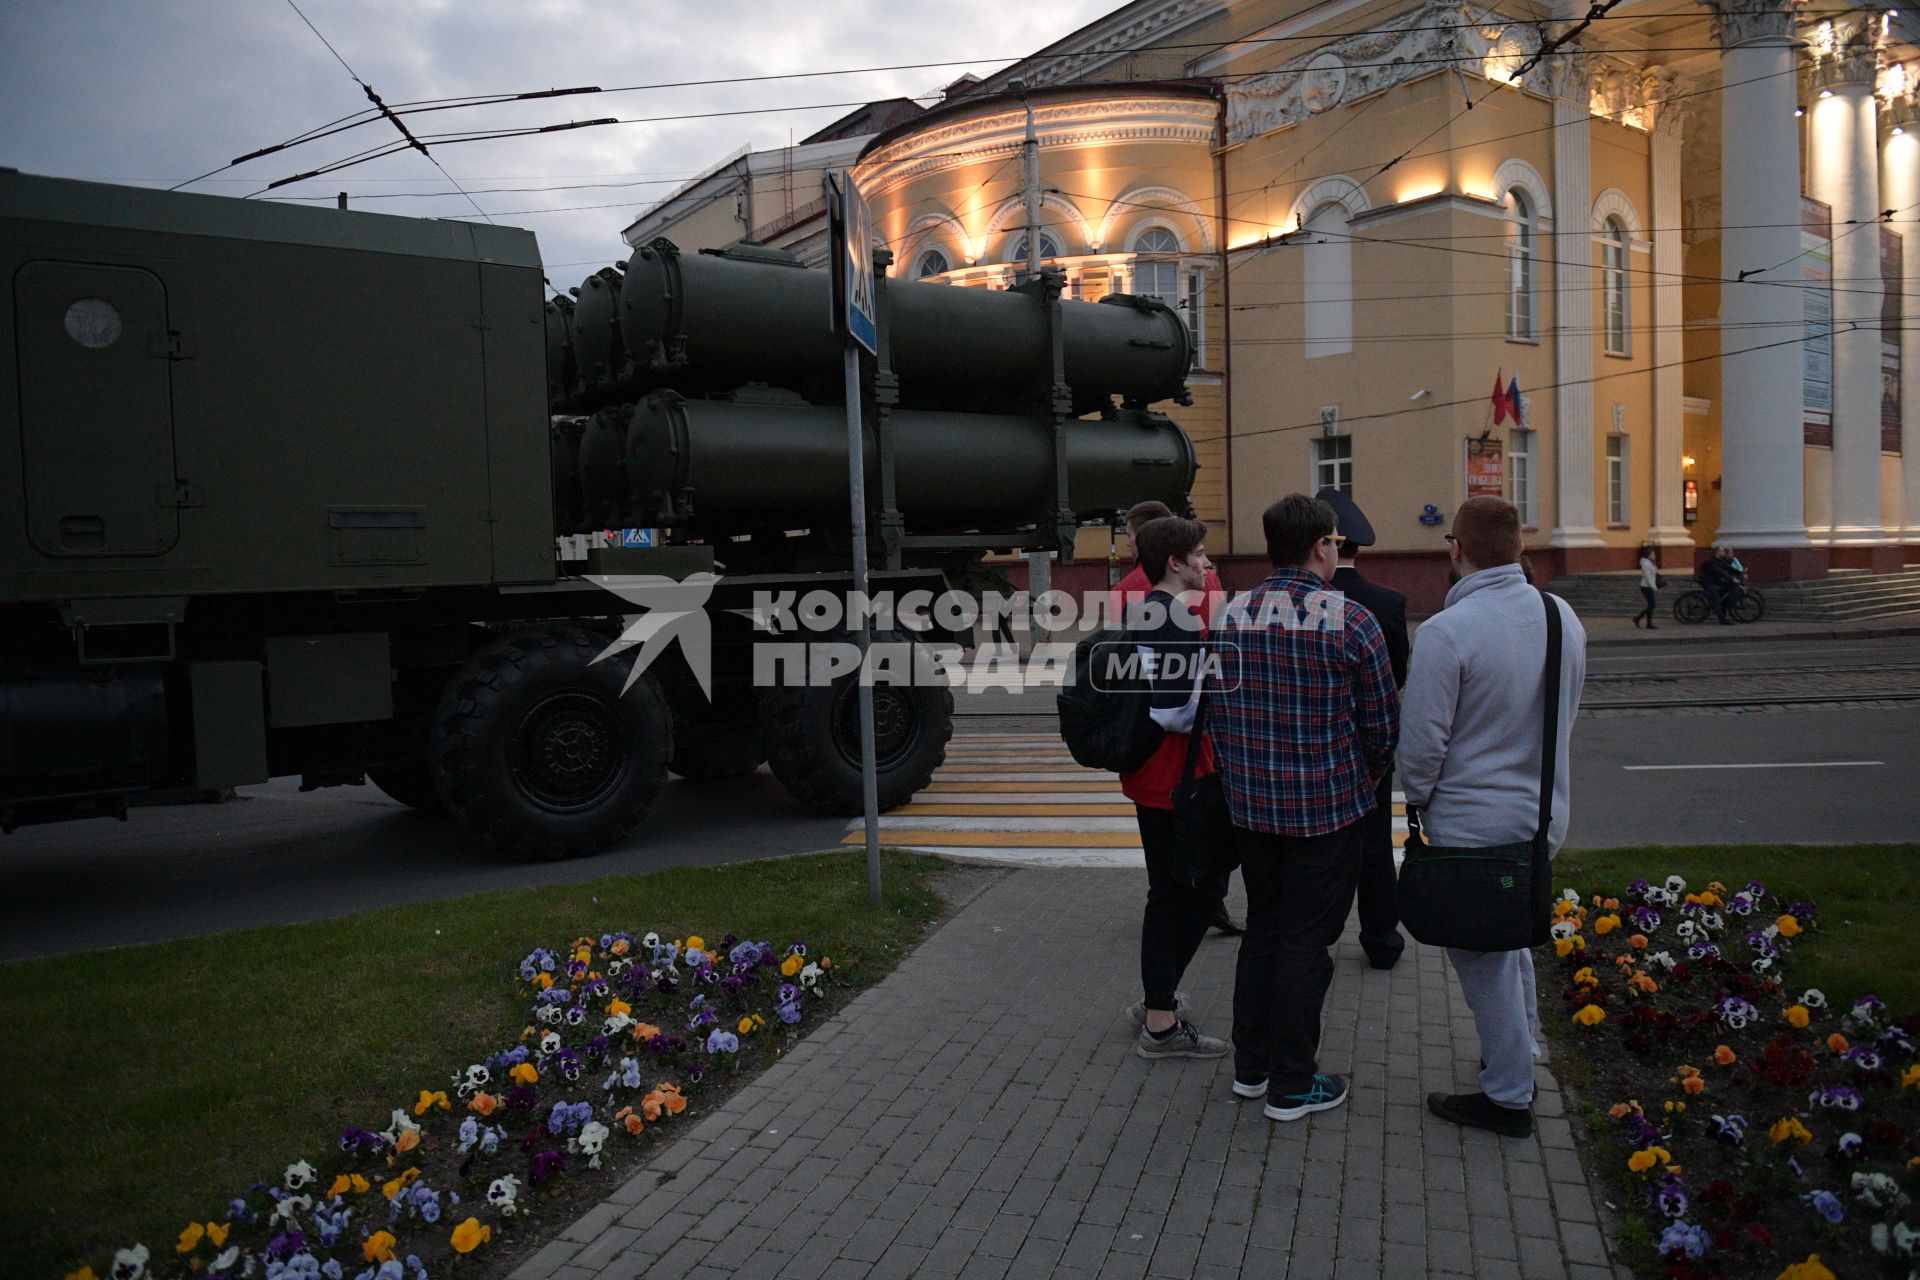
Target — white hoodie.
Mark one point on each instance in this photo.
(1473, 710)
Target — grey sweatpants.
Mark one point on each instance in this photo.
(1498, 986)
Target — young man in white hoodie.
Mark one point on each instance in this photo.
(1471, 724)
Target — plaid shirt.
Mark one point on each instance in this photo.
(1309, 730)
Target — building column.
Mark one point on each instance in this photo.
(1669, 319)
(1572, 312)
(1900, 189)
(1763, 477)
(1843, 172)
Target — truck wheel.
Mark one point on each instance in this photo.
(717, 755)
(537, 750)
(411, 787)
(812, 737)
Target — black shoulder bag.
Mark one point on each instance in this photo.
(1498, 898)
(1206, 826)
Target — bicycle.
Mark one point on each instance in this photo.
(1746, 605)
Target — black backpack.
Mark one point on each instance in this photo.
(1106, 713)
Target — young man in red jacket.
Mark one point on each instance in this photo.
(1133, 588)
(1171, 639)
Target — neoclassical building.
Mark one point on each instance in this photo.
(1682, 234)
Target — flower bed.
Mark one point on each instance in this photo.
(1762, 1130)
(623, 1033)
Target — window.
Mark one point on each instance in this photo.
(1522, 241)
(1617, 497)
(1049, 248)
(932, 263)
(1333, 464)
(1614, 248)
(1520, 475)
(1156, 266)
(1195, 315)
(1327, 267)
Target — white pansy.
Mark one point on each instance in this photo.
(593, 1137)
(297, 1175)
(1676, 886)
(1814, 998)
(228, 1256)
(477, 1077)
(130, 1264)
(549, 1043)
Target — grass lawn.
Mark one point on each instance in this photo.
(1868, 895)
(151, 1084)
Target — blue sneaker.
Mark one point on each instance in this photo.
(1324, 1094)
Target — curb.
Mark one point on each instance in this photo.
(1741, 636)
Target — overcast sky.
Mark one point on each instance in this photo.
(158, 91)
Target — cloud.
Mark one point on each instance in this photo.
(146, 92)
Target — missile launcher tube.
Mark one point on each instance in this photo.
(713, 322)
(725, 467)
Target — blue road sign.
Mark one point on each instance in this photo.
(850, 224)
(636, 537)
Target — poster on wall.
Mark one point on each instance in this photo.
(1486, 469)
(1816, 294)
(1891, 263)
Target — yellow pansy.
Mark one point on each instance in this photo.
(1798, 1017)
(791, 965)
(1606, 924)
(543, 980)
(1591, 1015)
(470, 1235)
(746, 1026)
(1788, 1127)
(1811, 1269)
(378, 1247)
(84, 1273)
(341, 1186)
(1910, 1078)
(524, 1073)
(394, 1186)
(428, 1101)
(217, 1231)
(697, 941)
(1585, 978)
(1788, 926)
(616, 1007)
(191, 1237)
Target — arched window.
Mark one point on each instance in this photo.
(1327, 268)
(1523, 238)
(1619, 316)
(1156, 265)
(932, 263)
(1049, 248)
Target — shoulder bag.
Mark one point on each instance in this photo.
(1206, 826)
(1498, 898)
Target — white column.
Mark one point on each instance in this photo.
(1572, 311)
(1669, 383)
(1843, 171)
(1763, 476)
(1900, 189)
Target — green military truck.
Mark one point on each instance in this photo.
(287, 492)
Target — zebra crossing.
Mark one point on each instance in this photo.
(1020, 798)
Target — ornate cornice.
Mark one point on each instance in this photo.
(1843, 51)
(1105, 119)
(1899, 91)
(1738, 22)
(1671, 101)
(1120, 33)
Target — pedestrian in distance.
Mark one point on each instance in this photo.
(1472, 724)
(1133, 588)
(1649, 585)
(1379, 921)
(1171, 638)
(1304, 732)
(1718, 579)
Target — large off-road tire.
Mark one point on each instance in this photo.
(411, 786)
(537, 751)
(714, 755)
(812, 739)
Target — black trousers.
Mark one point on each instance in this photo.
(1379, 917)
(1299, 892)
(1177, 914)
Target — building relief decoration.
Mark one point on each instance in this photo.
(1671, 101)
(1899, 91)
(1062, 66)
(1060, 218)
(1518, 173)
(1101, 120)
(1843, 51)
(1431, 38)
(1700, 220)
(1738, 22)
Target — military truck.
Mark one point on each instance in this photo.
(289, 492)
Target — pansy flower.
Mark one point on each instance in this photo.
(1730, 1128)
(1826, 1204)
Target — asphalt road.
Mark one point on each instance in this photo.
(278, 856)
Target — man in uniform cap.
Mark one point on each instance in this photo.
(1379, 920)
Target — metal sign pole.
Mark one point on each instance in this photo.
(857, 484)
(854, 312)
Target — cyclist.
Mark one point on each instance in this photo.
(1720, 576)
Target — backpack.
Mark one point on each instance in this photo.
(1106, 713)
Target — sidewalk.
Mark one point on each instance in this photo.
(981, 1112)
(1605, 629)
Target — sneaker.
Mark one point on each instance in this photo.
(1324, 1094)
(1250, 1088)
(1184, 1041)
(1137, 1011)
(1478, 1111)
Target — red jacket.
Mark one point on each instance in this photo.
(1151, 785)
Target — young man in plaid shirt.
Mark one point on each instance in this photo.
(1301, 741)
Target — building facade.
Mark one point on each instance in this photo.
(1652, 276)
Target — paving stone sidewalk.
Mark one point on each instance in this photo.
(981, 1112)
